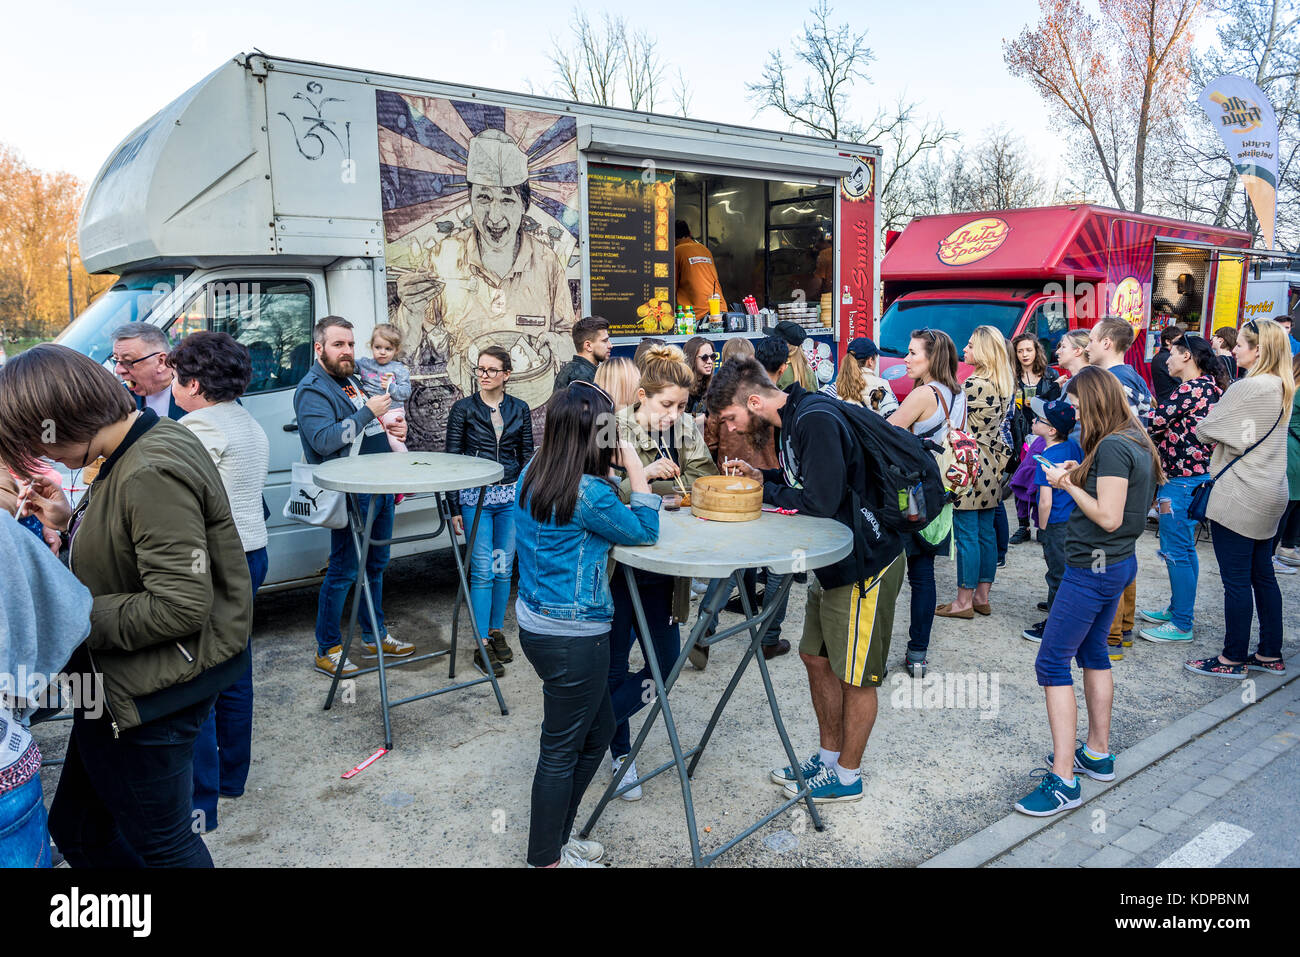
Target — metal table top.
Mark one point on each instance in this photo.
(389, 473)
(692, 547)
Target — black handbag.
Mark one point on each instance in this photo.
(1200, 501)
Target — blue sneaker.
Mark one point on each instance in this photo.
(809, 769)
(1156, 617)
(1166, 632)
(1035, 634)
(1050, 797)
(827, 789)
(1101, 769)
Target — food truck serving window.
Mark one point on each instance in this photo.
(769, 238)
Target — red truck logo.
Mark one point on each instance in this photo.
(973, 241)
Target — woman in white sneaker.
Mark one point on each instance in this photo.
(1250, 494)
(1287, 557)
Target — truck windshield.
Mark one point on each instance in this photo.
(958, 319)
(129, 300)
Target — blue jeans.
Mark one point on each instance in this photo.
(977, 556)
(1178, 546)
(1001, 530)
(127, 802)
(629, 693)
(224, 747)
(491, 563)
(24, 840)
(576, 725)
(920, 577)
(1079, 622)
(342, 574)
(1246, 566)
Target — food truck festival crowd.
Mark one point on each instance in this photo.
(148, 582)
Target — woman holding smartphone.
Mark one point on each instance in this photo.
(1112, 490)
(567, 517)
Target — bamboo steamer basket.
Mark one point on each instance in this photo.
(714, 497)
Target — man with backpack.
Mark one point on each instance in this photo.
(825, 472)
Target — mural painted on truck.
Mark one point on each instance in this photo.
(481, 219)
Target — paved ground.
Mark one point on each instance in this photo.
(1226, 799)
(456, 789)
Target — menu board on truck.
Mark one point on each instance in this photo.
(630, 214)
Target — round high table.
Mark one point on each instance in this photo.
(411, 473)
(691, 547)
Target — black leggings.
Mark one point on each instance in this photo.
(1288, 530)
(577, 724)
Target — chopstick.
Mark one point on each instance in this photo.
(677, 479)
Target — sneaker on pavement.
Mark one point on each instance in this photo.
(590, 851)
(827, 789)
(1277, 667)
(632, 794)
(809, 769)
(1115, 649)
(1126, 639)
(1100, 769)
(916, 663)
(775, 651)
(1043, 606)
(498, 669)
(392, 648)
(698, 587)
(1051, 796)
(1156, 617)
(1288, 556)
(570, 858)
(1282, 568)
(498, 640)
(1034, 633)
(1019, 536)
(1215, 668)
(1166, 632)
(698, 656)
(328, 663)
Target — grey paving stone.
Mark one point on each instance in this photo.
(1192, 802)
(1052, 838)
(1070, 855)
(1112, 831)
(1257, 757)
(1138, 839)
(1279, 743)
(1110, 856)
(1220, 784)
(1165, 820)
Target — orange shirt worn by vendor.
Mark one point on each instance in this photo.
(697, 279)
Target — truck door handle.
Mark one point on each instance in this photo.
(291, 426)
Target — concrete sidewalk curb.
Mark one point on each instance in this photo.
(1014, 829)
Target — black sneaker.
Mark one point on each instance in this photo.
(1043, 606)
(1035, 633)
(498, 668)
(1020, 536)
(1271, 667)
(499, 645)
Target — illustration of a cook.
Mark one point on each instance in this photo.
(492, 281)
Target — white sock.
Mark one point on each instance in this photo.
(1069, 783)
(829, 758)
(848, 776)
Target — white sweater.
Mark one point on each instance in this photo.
(1252, 496)
(241, 452)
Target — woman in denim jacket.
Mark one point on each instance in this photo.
(567, 517)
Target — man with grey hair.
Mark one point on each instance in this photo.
(140, 361)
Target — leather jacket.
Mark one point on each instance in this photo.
(470, 432)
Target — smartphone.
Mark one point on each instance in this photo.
(1045, 462)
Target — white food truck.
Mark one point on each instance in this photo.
(276, 192)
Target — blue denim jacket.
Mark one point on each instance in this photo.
(562, 567)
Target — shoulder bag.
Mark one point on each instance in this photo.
(1200, 501)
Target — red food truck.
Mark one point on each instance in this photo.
(1052, 269)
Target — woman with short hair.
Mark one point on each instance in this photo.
(1249, 496)
(212, 371)
(154, 541)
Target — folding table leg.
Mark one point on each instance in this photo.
(776, 710)
(362, 547)
(463, 594)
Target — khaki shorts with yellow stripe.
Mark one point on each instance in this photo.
(851, 628)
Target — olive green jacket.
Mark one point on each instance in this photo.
(156, 545)
(693, 453)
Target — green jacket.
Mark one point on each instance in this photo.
(694, 456)
(155, 544)
(1293, 450)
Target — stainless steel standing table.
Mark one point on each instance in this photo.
(411, 473)
(691, 547)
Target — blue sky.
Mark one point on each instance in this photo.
(67, 97)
